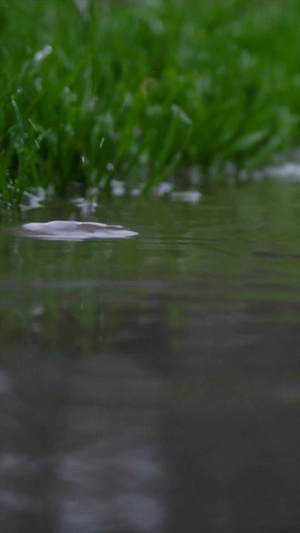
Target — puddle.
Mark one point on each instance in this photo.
(151, 385)
(64, 230)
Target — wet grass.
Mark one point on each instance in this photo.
(136, 91)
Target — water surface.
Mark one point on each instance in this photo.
(152, 384)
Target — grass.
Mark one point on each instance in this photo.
(140, 91)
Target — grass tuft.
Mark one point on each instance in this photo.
(136, 90)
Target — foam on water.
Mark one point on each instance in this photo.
(70, 230)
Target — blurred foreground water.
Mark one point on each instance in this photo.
(152, 385)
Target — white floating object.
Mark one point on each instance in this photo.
(287, 171)
(165, 187)
(192, 197)
(70, 230)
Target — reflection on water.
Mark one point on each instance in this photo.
(152, 385)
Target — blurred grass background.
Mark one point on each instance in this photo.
(138, 91)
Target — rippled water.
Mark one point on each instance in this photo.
(152, 384)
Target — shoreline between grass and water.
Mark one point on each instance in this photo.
(136, 93)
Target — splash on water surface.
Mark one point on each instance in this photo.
(70, 230)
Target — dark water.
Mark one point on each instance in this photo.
(153, 384)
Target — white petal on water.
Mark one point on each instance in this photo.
(117, 187)
(85, 205)
(70, 230)
(191, 197)
(288, 171)
(162, 188)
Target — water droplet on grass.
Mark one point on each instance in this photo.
(42, 54)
